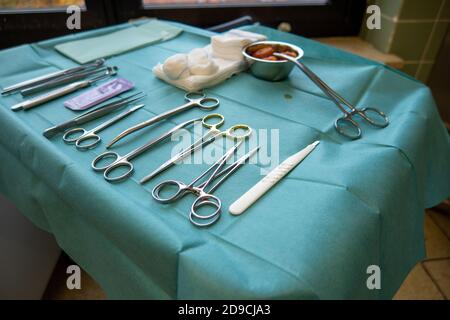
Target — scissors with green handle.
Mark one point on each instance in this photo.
(236, 132)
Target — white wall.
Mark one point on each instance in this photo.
(27, 255)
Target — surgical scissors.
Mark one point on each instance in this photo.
(204, 198)
(193, 99)
(232, 132)
(124, 161)
(79, 136)
(347, 118)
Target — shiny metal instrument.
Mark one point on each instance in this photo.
(193, 100)
(124, 161)
(60, 81)
(81, 137)
(51, 76)
(213, 133)
(93, 114)
(205, 198)
(345, 125)
(33, 102)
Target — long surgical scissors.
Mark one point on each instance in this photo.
(347, 118)
(124, 161)
(193, 99)
(213, 133)
(79, 136)
(204, 197)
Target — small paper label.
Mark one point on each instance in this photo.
(99, 94)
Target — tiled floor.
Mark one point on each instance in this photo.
(430, 279)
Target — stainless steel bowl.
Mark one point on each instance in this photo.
(270, 70)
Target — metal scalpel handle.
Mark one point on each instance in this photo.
(28, 104)
(59, 81)
(50, 76)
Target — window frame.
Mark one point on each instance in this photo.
(30, 25)
(337, 18)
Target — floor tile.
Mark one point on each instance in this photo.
(57, 289)
(436, 242)
(442, 220)
(418, 286)
(439, 271)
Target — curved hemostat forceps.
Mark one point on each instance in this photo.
(213, 133)
(380, 119)
(205, 198)
(193, 99)
(124, 161)
(81, 137)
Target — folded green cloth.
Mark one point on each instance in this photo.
(118, 42)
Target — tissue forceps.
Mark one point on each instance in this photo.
(71, 137)
(33, 102)
(65, 79)
(347, 118)
(93, 114)
(54, 75)
(231, 132)
(193, 99)
(124, 161)
(204, 198)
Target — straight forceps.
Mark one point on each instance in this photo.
(124, 161)
(36, 101)
(79, 136)
(51, 76)
(379, 119)
(204, 198)
(193, 99)
(93, 114)
(60, 81)
(213, 133)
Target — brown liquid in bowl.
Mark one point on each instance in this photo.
(266, 51)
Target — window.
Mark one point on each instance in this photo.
(24, 21)
(38, 4)
(311, 18)
(155, 3)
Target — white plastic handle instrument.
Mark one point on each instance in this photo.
(259, 189)
(28, 104)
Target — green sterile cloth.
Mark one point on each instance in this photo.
(348, 205)
(118, 42)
